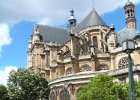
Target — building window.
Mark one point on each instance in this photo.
(53, 96)
(102, 67)
(69, 71)
(64, 95)
(95, 43)
(85, 68)
(123, 63)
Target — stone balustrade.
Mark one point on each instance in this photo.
(83, 77)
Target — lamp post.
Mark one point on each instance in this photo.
(128, 47)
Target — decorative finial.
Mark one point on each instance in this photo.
(72, 12)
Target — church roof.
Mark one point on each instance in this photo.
(125, 33)
(92, 19)
(53, 34)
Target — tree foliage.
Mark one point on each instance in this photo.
(102, 87)
(25, 84)
(3, 93)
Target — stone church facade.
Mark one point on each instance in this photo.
(68, 58)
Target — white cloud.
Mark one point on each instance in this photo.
(5, 38)
(45, 21)
(56, 11)
(5, 73)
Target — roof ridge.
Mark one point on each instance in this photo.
(52, 26)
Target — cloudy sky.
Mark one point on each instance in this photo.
(18, 16)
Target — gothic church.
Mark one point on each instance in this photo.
(68, 58)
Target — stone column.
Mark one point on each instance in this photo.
(75, 65)
(45, 62)
(52, 73)
(51, 57)
(112, 67)
(73, 45)
(93, 65)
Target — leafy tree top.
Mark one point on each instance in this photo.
(25, 84)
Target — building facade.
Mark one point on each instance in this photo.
(68, 58)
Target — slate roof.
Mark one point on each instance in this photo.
(125, 33)
(92, 19)
(53, 34)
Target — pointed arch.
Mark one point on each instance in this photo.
(64, 95)
(53, 96)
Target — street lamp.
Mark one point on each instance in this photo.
(128, 47)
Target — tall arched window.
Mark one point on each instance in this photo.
(95, 43)
(102, 67)
(69, 71)
(128, 12)
(64, 95)
(53, 96)
(85, 68)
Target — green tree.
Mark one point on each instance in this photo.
(102, 87)
(3, 93)
(137, 90)
(25, 84)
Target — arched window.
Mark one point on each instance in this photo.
(85, 68)
(64, 95)
(69, 71)
(123, 63)
(95, 43)
(102, 67)
(128, 12)
(53, 96)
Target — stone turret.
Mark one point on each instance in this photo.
(130, 15)
(36, 34)
(71, 21)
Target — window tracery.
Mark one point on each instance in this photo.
(103, 67)
(85, 68)
(123, 63)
